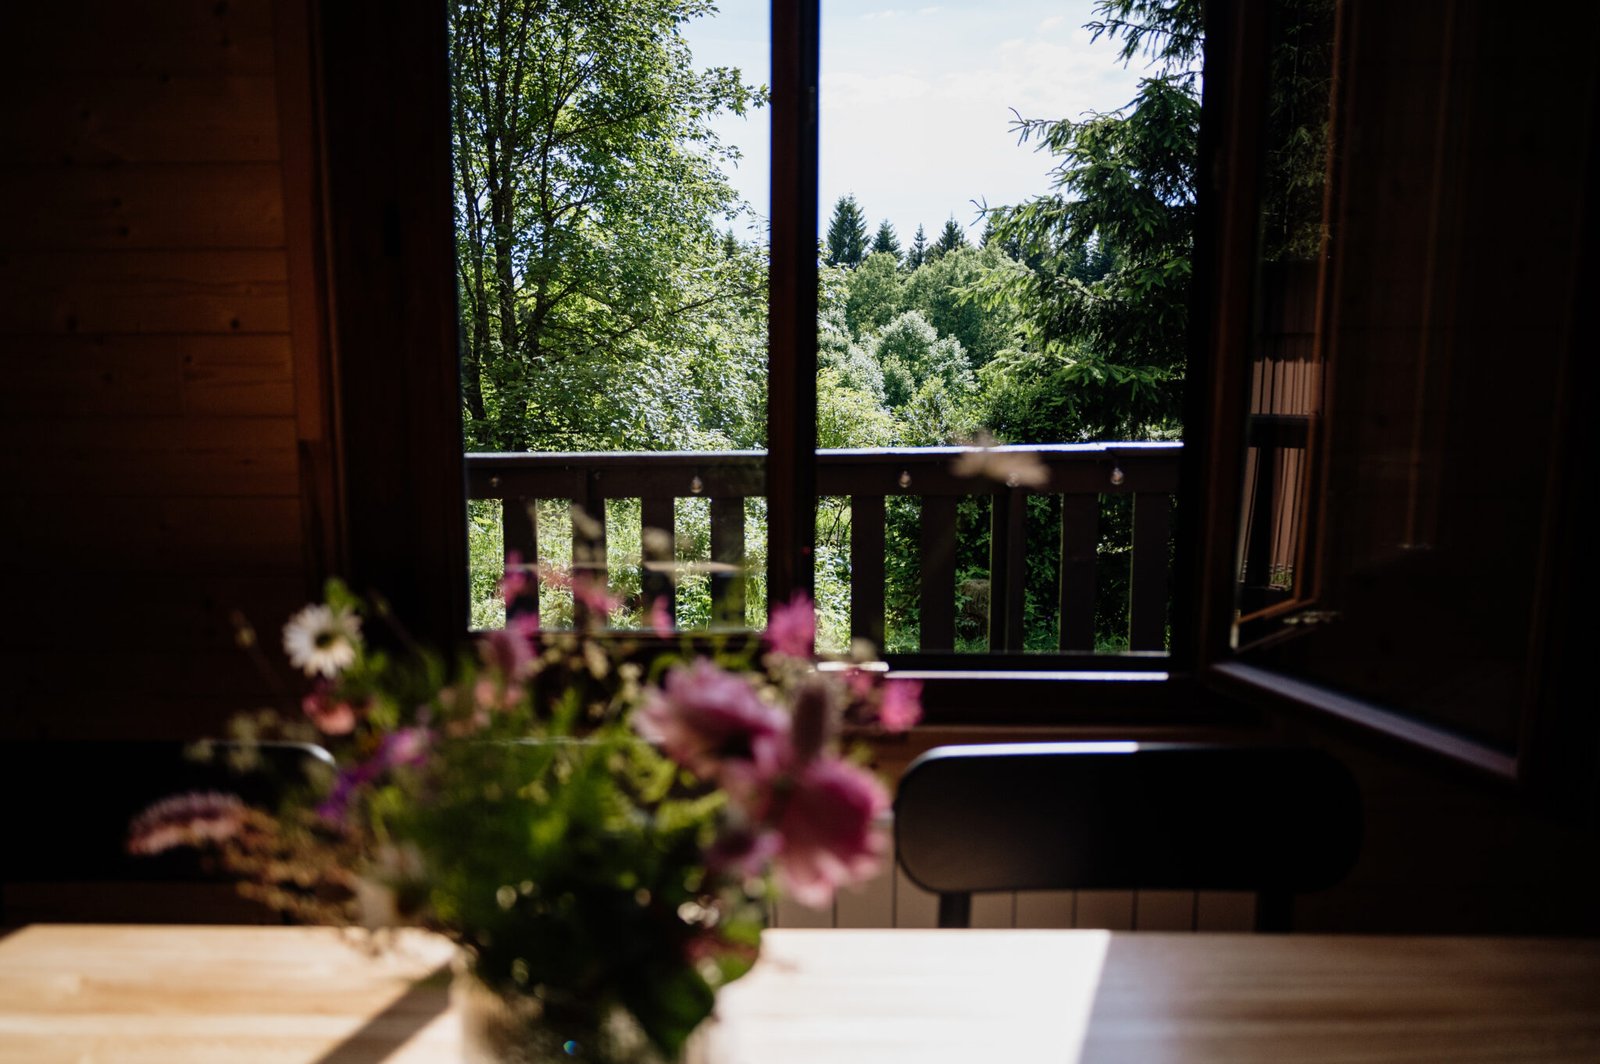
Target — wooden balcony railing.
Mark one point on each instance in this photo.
(1079, 473)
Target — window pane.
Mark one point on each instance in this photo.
(1006, 221)
(612, 268)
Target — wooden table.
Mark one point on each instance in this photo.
(170, 995)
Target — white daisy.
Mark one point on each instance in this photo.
(321, 639)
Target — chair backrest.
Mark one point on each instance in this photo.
(1123, 816)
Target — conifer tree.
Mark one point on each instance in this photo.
(886, 241)
(951, 237)
(847, 233)
(918, 253)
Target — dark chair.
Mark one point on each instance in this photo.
(1126, 816)
(67, 804)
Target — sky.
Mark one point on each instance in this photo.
(916, 100)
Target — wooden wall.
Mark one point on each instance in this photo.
(149, 439)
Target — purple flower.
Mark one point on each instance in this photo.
(192, 819)
(703, 715)
(792, 627)
(404, 748)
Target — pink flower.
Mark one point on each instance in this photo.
(590, 591)
(660, 617)
(703, 715)
(192, 819)
(825, 820)
(792, 627)
(331, 714)
(902, 705)
(510, 649)
(515, 583)
(744, 850)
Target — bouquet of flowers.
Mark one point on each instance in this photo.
(597, 827)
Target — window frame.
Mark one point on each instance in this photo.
(1553, 756)
(385, 306)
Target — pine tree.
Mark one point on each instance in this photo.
(886, 241)
(951, 237)
(847, 233)
(730, 245)
(919, 250)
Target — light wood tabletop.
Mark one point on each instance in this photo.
(177, 994)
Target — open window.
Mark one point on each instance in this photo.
(1391, 372)
(1379, 486)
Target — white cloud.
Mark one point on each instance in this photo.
(915, 111)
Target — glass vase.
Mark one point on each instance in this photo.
(516, 1027)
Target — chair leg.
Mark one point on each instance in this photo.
(955, 910)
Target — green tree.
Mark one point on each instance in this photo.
(875, 289)
(886, 242)
(951, 237)
(917, 254)
(1106, 302)
(912, 354)
(837, 348)
(847, 233)
(949, 292)
(587, 180)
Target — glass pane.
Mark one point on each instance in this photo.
(1006, 221)
(611, 174)
(1407, 372)
(1286, 360)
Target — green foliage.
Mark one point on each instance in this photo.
(1295, 139)
(949, 293)
(1123, 200)
(874, 293)
(848, 416)
(847, 233)
(913, 356)
(917, 254)
(886, 242)
(951, 237)
(597, 294)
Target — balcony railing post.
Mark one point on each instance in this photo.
(1152, 553)
(1080, 536)
(727, 549)
(1008, 534)
(866, 568)
(589, 541)
(519, 525)
(938, 557)
(658, 553)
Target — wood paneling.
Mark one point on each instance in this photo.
(130, 291)
(209, 535)
(143, 205)
(149, 445)
(189, 457)
(148, 376)
(139, 118)
(157, 38)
